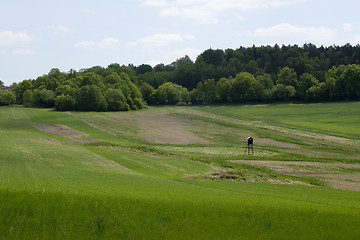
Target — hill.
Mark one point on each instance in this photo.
(180, 172)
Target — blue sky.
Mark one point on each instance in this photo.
(36, 36)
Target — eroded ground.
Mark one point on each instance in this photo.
(162, 128)
(338, 175)
(62, 130)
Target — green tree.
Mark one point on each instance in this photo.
(332, 77)
(43, 98)
(283, 93)
(223, 87)
(287, 77)
(185, 73)
(65, 90)
(147, 91)
(112, 78)
(116, 100)
(348, 84)
(171, 93)
(155, 79)
(7, 98)
(27, 98)
(307, 81)
(215, 57)
(266, 81)
(206, 91)
(90, 98)
(143, 68)
(93, 79)
(245, 87)
(64, 103)
(134, 97)
(52, 84)
(316, 92)
(21, 88)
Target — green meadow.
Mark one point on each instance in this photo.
(113, 175)
(338, 119)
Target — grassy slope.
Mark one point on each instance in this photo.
(53, 187)
(339, 119)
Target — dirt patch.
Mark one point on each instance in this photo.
(165, 129)
(339, 175)
(218, 173)
(58, 129)
(272, 142)
(64, 131)
(230, 175)
(29, 140)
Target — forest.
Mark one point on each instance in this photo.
(243, 75)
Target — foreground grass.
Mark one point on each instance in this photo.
(53, 186)
(207, 211)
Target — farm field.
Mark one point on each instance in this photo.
(337, 119)
(181, 173)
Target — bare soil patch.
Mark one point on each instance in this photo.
(161, 128)
(64, 131)
(154, 127)
(228, 174)
(336, 174)
(272, 142)
(29, 140)
(58, 129)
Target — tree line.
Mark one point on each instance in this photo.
(253, 74)
(95, 89)
(257, 74)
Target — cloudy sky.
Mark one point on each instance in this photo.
(38, 35)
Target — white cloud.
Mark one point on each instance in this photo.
(85, 44)
(60, 29)
(288, 30)
(12, 38)
(203, 15)
(354, 41)
(190, 37)
(157, 40)
(347, 27)
(23, 52)
(106, 43)
(205, 10)
(154, 3)
(109, 43)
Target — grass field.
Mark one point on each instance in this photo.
(339, 119)
(180, 173)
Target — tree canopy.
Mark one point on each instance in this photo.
(253, 74)
(93, 89)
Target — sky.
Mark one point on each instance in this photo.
(38, 35)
